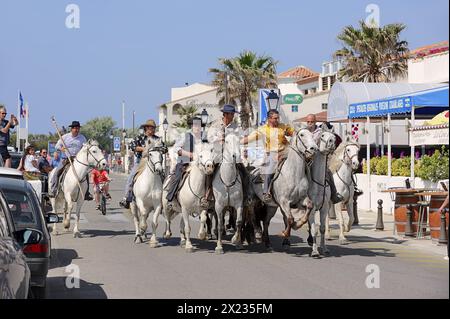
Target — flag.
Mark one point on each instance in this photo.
(22, 110)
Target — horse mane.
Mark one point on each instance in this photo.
(337, 157)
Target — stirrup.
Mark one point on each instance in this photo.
(267, 197)
(337, 198)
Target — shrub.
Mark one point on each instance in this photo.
(434, 167)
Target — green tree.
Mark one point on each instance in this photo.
(100, 129)
(373, 54)
(186, 113)
(239, 79)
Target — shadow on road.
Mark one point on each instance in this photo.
(57, 289)
(62, 257)
(107, 233)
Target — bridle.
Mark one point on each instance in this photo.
(350, 158)
(152, 165)
(322, 140)
(88, 152)
(297, 150)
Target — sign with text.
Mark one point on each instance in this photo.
(117, 143)
(292, 99)
(437, 136)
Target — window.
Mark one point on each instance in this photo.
(306, 92)
(21, 208)
(325, 83)
(294, 108)
(332, 80)
(324, 106)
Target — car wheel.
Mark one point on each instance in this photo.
(39, 292)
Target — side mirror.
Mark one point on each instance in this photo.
(52, 218)
(28, 236)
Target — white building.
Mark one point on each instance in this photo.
(200, 96)
(429, 64)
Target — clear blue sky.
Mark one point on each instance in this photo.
(137, 50)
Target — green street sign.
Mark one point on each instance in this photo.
(292, 99)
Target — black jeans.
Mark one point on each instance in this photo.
(175, 181)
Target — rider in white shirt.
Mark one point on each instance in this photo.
(74, 142)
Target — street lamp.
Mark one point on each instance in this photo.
(111, 136)
(165, 128)
(204, 117)
(272, 100)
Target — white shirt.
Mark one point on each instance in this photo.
(28, 165)
(74, 144)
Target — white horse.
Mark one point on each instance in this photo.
(342, 164)
(148, 195)
(187, 201)
(88, 157)
(227, 188)
(319, 190)
(290, 189)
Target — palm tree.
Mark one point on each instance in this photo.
(373, 54)
(186, 113)
(240, 77)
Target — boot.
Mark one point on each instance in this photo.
(358, 192)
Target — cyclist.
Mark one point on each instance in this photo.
(100, 176)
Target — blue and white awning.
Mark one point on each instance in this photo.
(430, 101)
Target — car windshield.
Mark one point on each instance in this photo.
(21, 209)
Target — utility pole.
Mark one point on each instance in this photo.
(134, 113)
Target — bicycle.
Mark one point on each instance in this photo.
(103, 197)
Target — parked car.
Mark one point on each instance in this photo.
(38, 185)
(26, 213)
(15, 274)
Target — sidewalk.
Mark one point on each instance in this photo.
(366, 227)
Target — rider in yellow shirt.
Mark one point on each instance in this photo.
(275, 143)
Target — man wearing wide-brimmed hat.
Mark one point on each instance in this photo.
(216, 135)
(74, 142)
(138, 145)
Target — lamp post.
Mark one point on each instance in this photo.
(165, 128)
(273, 100)
(204, 117)
(111, 136)
(125, 148)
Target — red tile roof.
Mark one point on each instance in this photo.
(299, 72)
(429, 50)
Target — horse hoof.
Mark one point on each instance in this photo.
(137, 239)
(154, 244)
(343, 242)
(167, 236)
(77, 235)
(182, 243)
(315, 254)
(189, 250)
(219, 251)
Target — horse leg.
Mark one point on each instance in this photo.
(270, 213)
(237, 238)
(187, 231)
(168, 216)
(310, 239)
(327, 223)
(182, 234)
(351, 215)
(67, 214)
(209, 225)
(202, 229)
(76, 232)
(135, 213)
(143, 216)
(312, 221)
(154, 240)
(340, 217)
(220, 227)
(323, 221)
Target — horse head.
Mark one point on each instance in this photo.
(204, 157)
(93, 153)
(327, 142)
(350, 155)
(156, 159)
(304, 142)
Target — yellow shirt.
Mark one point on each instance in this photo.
(274, 137)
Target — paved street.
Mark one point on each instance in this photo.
(112, 266)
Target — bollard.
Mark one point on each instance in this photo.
(408, 227)
(355, 209)
(443, 231)
(380, 225)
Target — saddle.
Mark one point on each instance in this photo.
(255, 174)
(185, 175)
(140, 170)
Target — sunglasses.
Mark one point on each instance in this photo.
(4, 113)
